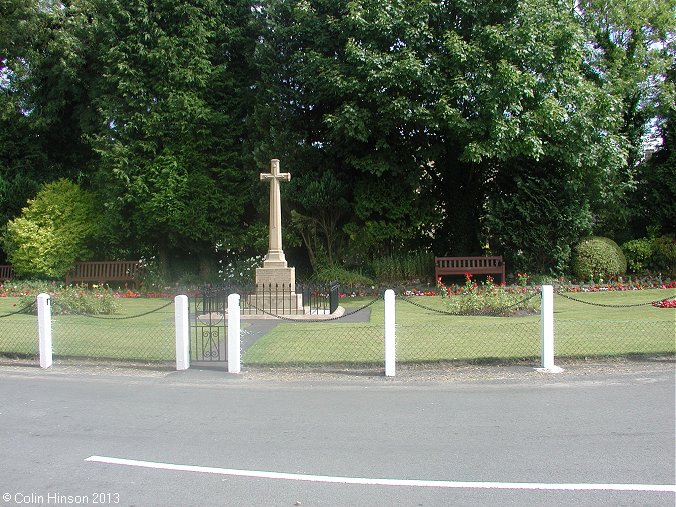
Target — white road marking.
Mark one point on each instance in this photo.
(668, 488)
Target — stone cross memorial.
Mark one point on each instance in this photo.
(275, 257)
(275, 281)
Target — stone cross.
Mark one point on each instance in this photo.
(275, 256)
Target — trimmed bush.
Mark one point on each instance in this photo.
(596, 257)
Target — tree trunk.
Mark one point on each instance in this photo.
(205, 267)
(163, 262)
(462, 199)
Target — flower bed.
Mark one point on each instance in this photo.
(665, 303)
(488, 298)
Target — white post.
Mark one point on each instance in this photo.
(234, 359)
(547, 331)
(182, 321)
(45, 330)
(390, 337)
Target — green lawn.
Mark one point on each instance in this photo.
(423, 335)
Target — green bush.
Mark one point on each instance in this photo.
(53, 231)
(341, 275)
(651, 254)
(596, 258)
(639, 253)
(665, 254)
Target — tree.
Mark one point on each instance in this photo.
(535, 216)
(632, 50)
(172, 101)
(55, 230)
(653, 200)
(45, 110)
(423, 106)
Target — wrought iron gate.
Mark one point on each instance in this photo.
(208, 337)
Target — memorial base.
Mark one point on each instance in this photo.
(271, 304)
(275, 277)
(275, 292)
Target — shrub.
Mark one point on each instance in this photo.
(651, 254)
(639, 254)
(341, 275)
(665, 254)
(596, 257)
(534, 216)
(52, 231)
(238, 269)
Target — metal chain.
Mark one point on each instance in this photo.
(24, 310)
(614, 306)
(101, 317)
(491, 313)
(297, 321)
(411, 302)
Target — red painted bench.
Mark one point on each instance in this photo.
(104, 271)
(6, 272)
(474, 265)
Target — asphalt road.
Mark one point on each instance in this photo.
(522, 430)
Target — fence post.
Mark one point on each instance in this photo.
(234, 360)
(547, 331)
(45, 330)
(333, 298)
(390, 337)
(182, 321)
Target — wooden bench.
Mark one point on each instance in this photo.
(104, 272)
(6, 272)
(473, 265)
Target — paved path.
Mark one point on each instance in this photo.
(228, 438)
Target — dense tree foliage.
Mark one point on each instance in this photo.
(632, 47)
(513, 127)
(44, 104)
(427, 109)
(172, 115)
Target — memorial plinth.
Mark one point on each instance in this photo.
(275, 281)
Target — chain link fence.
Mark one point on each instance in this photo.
(590, 329)
(347, 339)
(476, 336)
(313, 345)
(144, 336)
(425, 333)
(468, 342)
(594, 338)
(19, 334)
